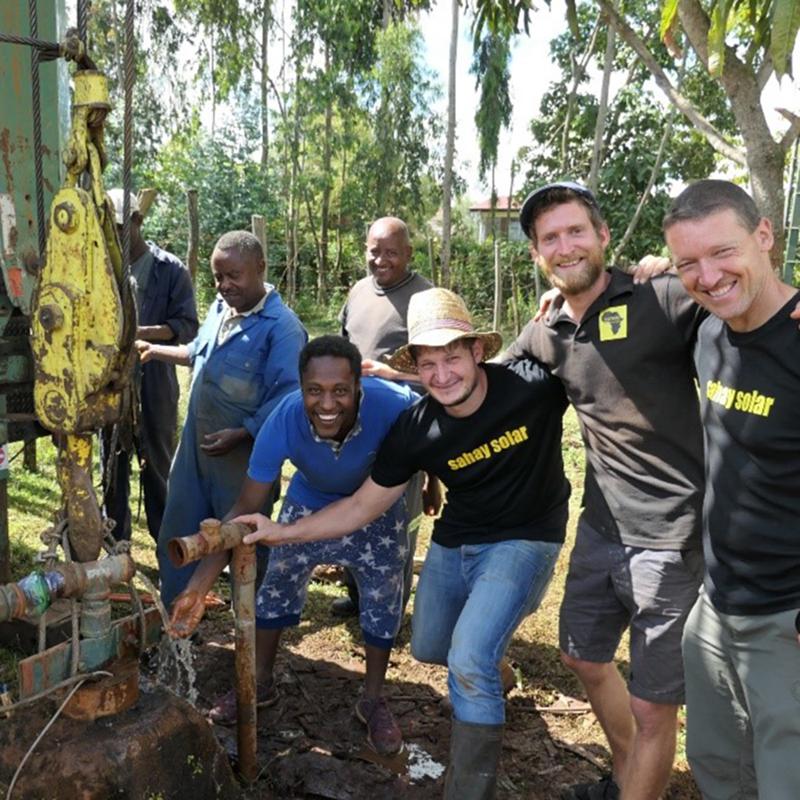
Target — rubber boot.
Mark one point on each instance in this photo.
(474, 755)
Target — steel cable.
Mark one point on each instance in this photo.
(83, 21)
(127, 157)
(49, 50)
(37, 130)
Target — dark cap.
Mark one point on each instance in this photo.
(532, 200)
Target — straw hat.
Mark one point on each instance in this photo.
(437, 317)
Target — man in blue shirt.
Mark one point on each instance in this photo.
(244, 361)
(330, 431)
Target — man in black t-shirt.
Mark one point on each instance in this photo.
(492, 434)
(740, 648)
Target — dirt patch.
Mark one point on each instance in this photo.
(310, 744)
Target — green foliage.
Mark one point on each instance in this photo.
(505, 15)
(784, 30)
(230, 185)
(490, 67)
(634, 127)
(756, 28)
(401, 91)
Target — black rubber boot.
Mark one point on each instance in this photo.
(474, 755)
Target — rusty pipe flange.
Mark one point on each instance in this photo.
(213, 537)
(12, 602)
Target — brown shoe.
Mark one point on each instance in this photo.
(383, 732)
(223, 712)
(508, 675)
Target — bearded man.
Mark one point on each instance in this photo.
(623, 351)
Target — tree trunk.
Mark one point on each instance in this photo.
(193, 245)
(510, 199)
(322, 271)
(765, 157)
(340, 224)
(497, 314)
(447, 182)
(762, 155)
(265, 20)
(578, 71)
(294, 192)
(259, 229)
(602, 110)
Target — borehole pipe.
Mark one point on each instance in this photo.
(215, 537)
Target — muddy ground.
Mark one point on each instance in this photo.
(311, 746)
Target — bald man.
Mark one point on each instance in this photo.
(374, 320)
(374, 315)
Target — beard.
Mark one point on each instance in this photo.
(467, 392)
(577, 281)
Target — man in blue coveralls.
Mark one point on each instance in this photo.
(330, 431)
(167, 314)
(244, 361)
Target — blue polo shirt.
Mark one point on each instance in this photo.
(326, 470)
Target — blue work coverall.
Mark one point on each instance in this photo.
(168, 300)
(235, 384)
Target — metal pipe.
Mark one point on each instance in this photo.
(216, 537)
(35, 593)
(213, 537)
(243, 568)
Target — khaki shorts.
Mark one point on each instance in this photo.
(611, 587)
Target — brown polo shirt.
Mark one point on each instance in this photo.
(627, 369)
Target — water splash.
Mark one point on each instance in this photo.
(175, 656)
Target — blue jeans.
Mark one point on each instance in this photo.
(469, 602)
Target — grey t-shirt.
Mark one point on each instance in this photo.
(627, 369)
(374, 319)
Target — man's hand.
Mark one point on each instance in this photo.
(545, 301)
(221, 442)
(145, 350)
(649, 267)
(796, 315)
(265, 531)
(431, 495)
(187, 611)
(378, 369)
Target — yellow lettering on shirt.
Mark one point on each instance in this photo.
(613, 323)
(748, 402)
(485, 451)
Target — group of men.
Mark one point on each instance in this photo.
(671, 477)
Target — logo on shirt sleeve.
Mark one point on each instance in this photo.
(614, 323)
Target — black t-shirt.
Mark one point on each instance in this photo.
(750, 395)
(501, 465)
(627, 368)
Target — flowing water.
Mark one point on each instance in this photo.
(175, 656)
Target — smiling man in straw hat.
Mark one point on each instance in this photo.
(492, 434)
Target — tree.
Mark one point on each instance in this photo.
(638, 161)
(447, 183)
(741, 60)
(493, 113)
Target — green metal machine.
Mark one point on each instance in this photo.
(27, 185)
